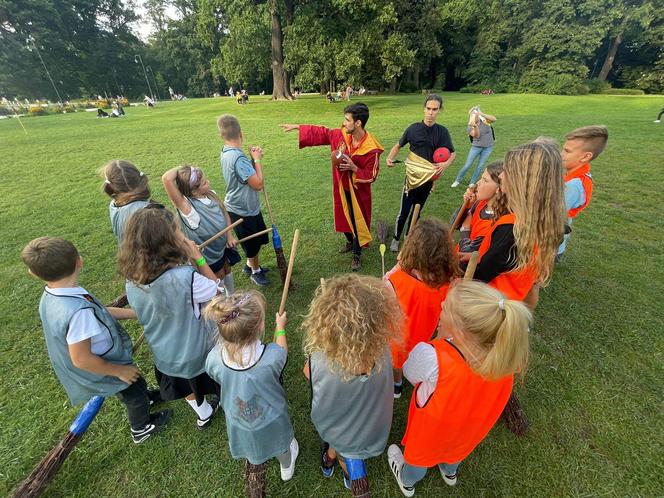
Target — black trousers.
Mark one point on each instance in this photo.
(419, 196)
(137, 401)
(352, 237)
(660, 114)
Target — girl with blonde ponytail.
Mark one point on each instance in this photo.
(252, 396)
(464, 378)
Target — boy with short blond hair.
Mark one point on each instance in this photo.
(580, 148)
(244, 181)
(90, 351)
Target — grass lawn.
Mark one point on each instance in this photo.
(594, 389)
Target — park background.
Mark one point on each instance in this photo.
(593, 392)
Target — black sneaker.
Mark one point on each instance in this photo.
(203, 424)
(158, 421)
(347, 248)
(155, 396)
(247, 269)
(398, 389)
(259, 279)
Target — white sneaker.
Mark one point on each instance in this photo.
(287, 472)
(396, 461)
(394, 245)
(455, 184)
(656, 121)
(449, 480)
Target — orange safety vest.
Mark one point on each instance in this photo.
(421, 307)
(478, 226)
(459, 414)
(513, 284)
(583, 174)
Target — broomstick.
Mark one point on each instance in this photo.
(382, 230)
(276, 241)
(291, 262)
(414, 218)
(461, 214)
(45, 471)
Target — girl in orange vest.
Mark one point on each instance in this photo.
(427, 265)
(463, 379)
(488, 204)
(520, 248)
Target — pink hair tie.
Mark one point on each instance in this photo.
(194, 177)
(236, 312)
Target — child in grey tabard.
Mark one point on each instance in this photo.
(212, 221)
(354, 417)
(120, 215)
(177, 335)
(255, 405)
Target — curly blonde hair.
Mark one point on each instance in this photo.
(240, 319)
(124, 183)
(535, 194)
(429, 250)
(351, 321)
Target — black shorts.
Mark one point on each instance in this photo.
(230, 255)
(172, 388)
(250, 226)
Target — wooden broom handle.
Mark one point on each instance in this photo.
(463, 211)
(267, 203)
(222, 232)
(414, 218)
(257, 234)
(291, 261)
(472, 266)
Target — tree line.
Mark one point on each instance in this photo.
(553, 46)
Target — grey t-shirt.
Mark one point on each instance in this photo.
(236, 169)
(486, 135)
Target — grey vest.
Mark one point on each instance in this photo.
(212, 221)
(355, 417)
(56, 313)
(240, 198)
(178, 340)
(120, 215)
(255, 405)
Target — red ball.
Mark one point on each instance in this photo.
(441, 154)
(337, 158)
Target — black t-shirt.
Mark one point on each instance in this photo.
(425, 139)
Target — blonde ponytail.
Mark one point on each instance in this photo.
(494, 326)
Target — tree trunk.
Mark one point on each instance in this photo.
(610, 57)
(393, 85)
(280, 80)
(416, 78)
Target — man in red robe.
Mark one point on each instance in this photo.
(352, 179)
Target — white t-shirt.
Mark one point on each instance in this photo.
(193, 219)
(250, 355)
(422, 367)
(203, 290)
(84, 324)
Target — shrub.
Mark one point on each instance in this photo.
(623, 91)
(597, 86)
(37, 110)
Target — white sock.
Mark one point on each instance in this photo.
(256, 271)
(203, 410)
(229, 283)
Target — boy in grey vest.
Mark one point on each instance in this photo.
(90, 351)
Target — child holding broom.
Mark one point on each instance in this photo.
(252, 395)
(244, 179)
(348, 330)
(90, 351)
(464, 378)
(168, 294)
(128, 189)
(427, 265)
(203, 215)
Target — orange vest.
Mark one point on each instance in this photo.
(583, 174)
(513, 284)
(459, 414)
(478, 226)
(421, 307)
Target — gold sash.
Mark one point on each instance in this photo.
(418, 171)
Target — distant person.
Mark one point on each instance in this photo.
(482, 139)
(171, 92)
(101, 113)
(148, 101)
(349, 92)
(659, 116)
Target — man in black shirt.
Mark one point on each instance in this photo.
(424, 138)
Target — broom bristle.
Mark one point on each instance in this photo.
(254, 480)
(514, 417)
(360, 488)
(382, 231)
(119, 302)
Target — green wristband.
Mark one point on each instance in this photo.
(279, 333)
(200, 261)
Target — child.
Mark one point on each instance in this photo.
(90, 351)
(580, 148)
(244, 179)
(427, 265)
(348, 330)
(203, 215)
(167, 295)
(488, 204)
(249, 373)
(519, 249)
(464, 378)
(128, 189)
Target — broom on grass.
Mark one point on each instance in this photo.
(382, 231)
(45, 471)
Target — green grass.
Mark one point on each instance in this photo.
(594, 390)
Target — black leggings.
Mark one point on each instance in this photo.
(417, 195)
(660, 114)
(352, 237)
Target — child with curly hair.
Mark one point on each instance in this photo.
(427, 265)
(167, 294)
(252, 395)
(348, 330)
(128, 189)
(464, 378)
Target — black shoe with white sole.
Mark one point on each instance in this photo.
(158, 421)
(203, 424)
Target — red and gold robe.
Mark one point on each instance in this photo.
(366, 157)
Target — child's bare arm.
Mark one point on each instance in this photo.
(121, 313)
(280, 330)
(174, 194)
(307, 370)
(83, 358)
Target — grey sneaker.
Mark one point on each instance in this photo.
(396, 461)
(259, 279)
(394, 245)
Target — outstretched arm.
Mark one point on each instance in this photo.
(393, 153)
(310, 135)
